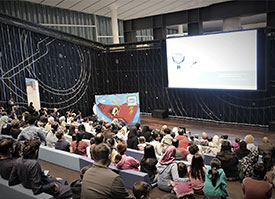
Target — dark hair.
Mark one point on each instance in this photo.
(197, 166)
(175, 142)
(17, 149)
(79, 137)
(81, 127)
(121, 148)
(267, 160)
(118, 157)
(110, 141)
(237, 140)
(167, 131)
(137, 125)
(156, 133)
(224, 137)
(29, 149)
(101, 153)
(71, 130)
(6, 145)
(59, 134)
(193, 149)
(99, 138)
(149, 152)
(141, 189)
(215, 165)
(180, 131)
(259, 170)
(31, 119)
(182, 169)
(226, 146)
(83, 171)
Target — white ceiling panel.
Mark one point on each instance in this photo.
(128, 9)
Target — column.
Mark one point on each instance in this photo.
(115, 25)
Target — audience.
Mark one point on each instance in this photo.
(61, 143)
(229, 161)
(141, 190)
(242, 151)
(196, 173)
(148, 163)
(125, 162)
(256, 186)
(167, 169)
(33, 132)
(79, 146)
(215, 185)
(27, 171)
(171, 146)
(101, 182)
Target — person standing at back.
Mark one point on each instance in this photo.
(99, 181)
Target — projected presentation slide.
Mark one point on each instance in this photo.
(217, 61)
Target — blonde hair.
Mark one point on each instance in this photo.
(249, 139)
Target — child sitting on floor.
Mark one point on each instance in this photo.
(141, 190)
(180, 188)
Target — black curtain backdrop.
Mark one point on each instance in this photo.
(71, 71)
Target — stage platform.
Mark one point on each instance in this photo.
(211, 128)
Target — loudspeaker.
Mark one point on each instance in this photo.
(159, 113)
(271, 126)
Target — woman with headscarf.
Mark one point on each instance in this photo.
(132, 140)
(242, 151)
(168, 169)
(4, 124)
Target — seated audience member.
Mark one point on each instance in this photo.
(101, 182)
(122, 135)
(71, 130)
(148, 162)
(242, 151)
(141, 143)
(15, 128)
(256, 186)
(99, 138)
(229, 161)
(180, 188)
(79, 146)
(265, 147)
(204, 139)
(17, 149)
(32, 132)
(111, 143)
(193, 149)
(180, 153)
(86, 135)
(168, 169)
(146, 132)
(4, 125)
(183, 140)
(6, 159)
(215, 185)
(27, 171)
(269, 167)
(247, 163)
(61, 143)
(215, 145)
(166, 140)
(51, 138)
(236, 144)
(48, 126)
(132, 140)
(123, 161)
(62, 121)
(76, 185)
(196, 173)
(249, 139)
(141, 190)
(156, 138)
